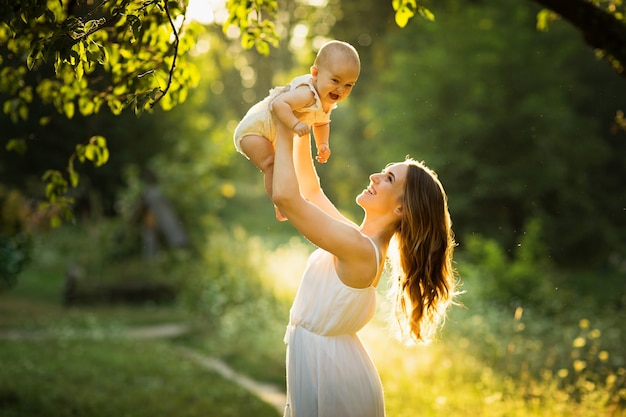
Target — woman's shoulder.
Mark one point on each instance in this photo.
(360, 266)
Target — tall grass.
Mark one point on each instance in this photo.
(491, 359)
(463, 374)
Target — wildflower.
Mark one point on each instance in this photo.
(579, 365)
(594, 334)
(579, 342)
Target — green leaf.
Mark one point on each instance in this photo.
(543, 20)
(17, 145)
(81, 150)
(80, 71)
(90, 152)
(32, 58)
(93, 25)
(426, 13)
(86, 106)
(74, 57)
(103, 55)
(402, 18)
(247, 40)
(96, 150)
(57, 185)
(74, 177)
(68, 109)
(405, 10)
(116, 106)
(263, 47)
(23, 111)
(55, 221)
(135, 25)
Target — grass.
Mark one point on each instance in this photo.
(445, 378)
(85, 368)
(488, 362)
(114, 377)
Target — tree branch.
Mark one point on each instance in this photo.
(600, 29)
(176, 41)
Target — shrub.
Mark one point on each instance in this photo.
(519, 278)
(15, 242)
(229, 293)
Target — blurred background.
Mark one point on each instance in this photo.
(522, 127)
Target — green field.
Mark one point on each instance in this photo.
(488, 361)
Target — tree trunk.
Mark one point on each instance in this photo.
(600, 29)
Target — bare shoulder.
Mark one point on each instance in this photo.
(358, 267)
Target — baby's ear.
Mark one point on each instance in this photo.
(314, 71)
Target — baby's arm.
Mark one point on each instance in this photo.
(285, 104)
(322, 136)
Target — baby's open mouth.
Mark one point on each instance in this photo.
(334, 96)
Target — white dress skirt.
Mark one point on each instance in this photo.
(329, 372)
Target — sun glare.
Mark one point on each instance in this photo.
(207, 11)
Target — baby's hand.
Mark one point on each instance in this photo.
(301, 129)
(323, 153)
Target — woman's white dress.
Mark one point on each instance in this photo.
(329, 372)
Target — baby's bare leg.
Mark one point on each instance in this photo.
(261, 153)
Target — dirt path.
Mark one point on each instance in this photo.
(266, 392)
(161, 331)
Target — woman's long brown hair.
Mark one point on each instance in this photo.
(425, 279)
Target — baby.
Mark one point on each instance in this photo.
(305, 102)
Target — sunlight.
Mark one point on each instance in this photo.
(298, 39)
(388, 352)
(207, 11)
(318, 3)
(285, 266)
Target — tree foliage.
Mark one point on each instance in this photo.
(518, 123)
(255, 20)
(81, 56)
(602, 24)
(515, 120)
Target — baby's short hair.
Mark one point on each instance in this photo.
(335, 47)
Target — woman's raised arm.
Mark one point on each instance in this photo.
(312, 214)
(308, 179)
(316, 218)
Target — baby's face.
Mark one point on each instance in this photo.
(335, 79)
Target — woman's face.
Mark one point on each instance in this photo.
(385, 190)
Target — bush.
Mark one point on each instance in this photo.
(14, 255)
(520, 278)
(15, 242)
(527, 320)
(229, 292)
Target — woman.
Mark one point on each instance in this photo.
(329, 373)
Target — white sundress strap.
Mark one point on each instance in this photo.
(377, 254)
